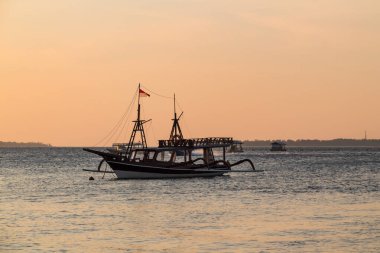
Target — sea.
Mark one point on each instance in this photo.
(305, 200)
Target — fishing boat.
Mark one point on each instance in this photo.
(176, 157)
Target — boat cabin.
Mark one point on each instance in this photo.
(278, 146)
(158, 155)
(201, 149)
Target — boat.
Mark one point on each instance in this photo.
(236, 147)
(278, 146)
(176, 157)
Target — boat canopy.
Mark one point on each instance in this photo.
(197, 143)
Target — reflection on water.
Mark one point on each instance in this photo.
(306, 200)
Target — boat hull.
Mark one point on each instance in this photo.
(132, 171)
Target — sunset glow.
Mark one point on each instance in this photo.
(245, 69)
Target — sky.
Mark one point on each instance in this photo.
(248, 69)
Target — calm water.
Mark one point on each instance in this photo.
(311, 200)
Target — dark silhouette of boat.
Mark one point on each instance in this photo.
(173, 158)
(278, 146)
(236, 147)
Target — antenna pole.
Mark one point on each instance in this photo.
(175, 114)
(176, 133)
(175, 119)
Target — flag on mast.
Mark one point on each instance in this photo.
(143, 93)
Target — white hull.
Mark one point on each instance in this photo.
(121, 174)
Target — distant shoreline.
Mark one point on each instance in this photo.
(335, 143)
(11, 144)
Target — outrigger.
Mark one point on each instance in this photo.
(173, 158)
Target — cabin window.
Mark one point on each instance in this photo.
(208, 155)
(164, 156)
(150, 155)
(179, 157)
(139, 155)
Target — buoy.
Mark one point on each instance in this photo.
(91, 178)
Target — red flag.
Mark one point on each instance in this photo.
(143, 93)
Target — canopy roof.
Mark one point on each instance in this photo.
(197, 143)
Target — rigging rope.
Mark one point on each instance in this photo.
(126, 123)
(151, 127)
(155, 93)
(122, 129)
(123, 120)
(114, 129)
(184, 118)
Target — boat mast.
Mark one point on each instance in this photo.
(176, 133)
(138, 127)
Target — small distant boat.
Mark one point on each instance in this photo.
(119, 148)
(278, 146)
(236, 147)
(173, 158)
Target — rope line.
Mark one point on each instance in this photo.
(117, 125)
(124, 123)
(126, 119)
(151, 127)
(184, 118)
(155, 93)
(178, 105)
(125, 116)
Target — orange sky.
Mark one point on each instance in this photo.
(244, 68)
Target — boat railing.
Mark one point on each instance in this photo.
(197, 142)
(124, 146)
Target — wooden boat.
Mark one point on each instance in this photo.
(173, 158)
(163, 161)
